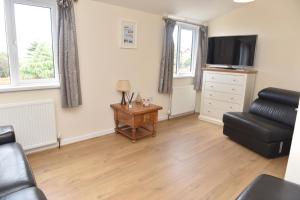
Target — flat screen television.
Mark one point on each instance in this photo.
(232, 51)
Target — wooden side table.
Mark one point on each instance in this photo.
(134, 122)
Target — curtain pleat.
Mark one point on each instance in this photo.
(201, 57)
(68, 60)
(167, 60)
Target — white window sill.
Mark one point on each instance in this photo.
(183, 76)
(29, 87)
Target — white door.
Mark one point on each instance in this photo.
(293, 168)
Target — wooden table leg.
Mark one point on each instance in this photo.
(116, 126)
(116, 122)
(133, 132)
(154, 124)
(154, 129)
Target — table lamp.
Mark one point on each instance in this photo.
(123, 86)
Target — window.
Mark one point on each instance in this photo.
(185, 40)
(27, 50)
(4, 67)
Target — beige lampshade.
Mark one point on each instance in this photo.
(123, 85)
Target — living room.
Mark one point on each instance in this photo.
(188, 157)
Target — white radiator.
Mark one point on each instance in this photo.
(34, 123)
(183, 100)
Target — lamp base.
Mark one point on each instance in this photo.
(123, 102)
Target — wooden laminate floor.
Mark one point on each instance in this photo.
(189, 159)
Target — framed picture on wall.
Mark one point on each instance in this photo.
(128, 34)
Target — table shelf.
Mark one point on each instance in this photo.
(136, 120)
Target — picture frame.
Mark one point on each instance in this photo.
(128, 34)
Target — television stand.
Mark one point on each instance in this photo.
(225, 90)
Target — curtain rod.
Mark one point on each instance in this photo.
(183, 21)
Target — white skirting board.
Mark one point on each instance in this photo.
(70, 140)
(211, 120)
(83, 137)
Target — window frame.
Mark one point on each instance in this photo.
(16, 84)
(195, 31)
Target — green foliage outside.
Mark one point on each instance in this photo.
(4, 69)
(38, 63)
(186, 61)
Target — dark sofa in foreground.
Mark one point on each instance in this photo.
(16, 179)
(266, 187)
(268, 126)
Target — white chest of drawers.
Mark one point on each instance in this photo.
(225, 91)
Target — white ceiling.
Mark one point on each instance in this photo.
(200, 10)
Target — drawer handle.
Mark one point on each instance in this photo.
(208, 111)
(210, 95)
(210, 103)
(232, 98)
(231, 107)
(233, 89)
(211, 86)
(234, 80)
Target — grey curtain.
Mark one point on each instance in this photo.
(68, 61)
(201, 56)
(167, 60)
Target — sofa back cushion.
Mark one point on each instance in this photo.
(274, 111)
(287, 97)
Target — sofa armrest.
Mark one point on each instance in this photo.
(7, 135)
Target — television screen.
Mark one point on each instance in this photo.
(232, 50)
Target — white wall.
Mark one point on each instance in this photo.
(277, 24)
(102, 63)
(292, 172)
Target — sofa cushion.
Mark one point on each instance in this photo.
(277, 112)
(281, 96)
(7, 135)
(15, 173)
(267, 187)
(31, 193)
(258, 127)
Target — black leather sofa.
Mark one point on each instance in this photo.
(16, 179)
(267, 187)
(268, 126)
